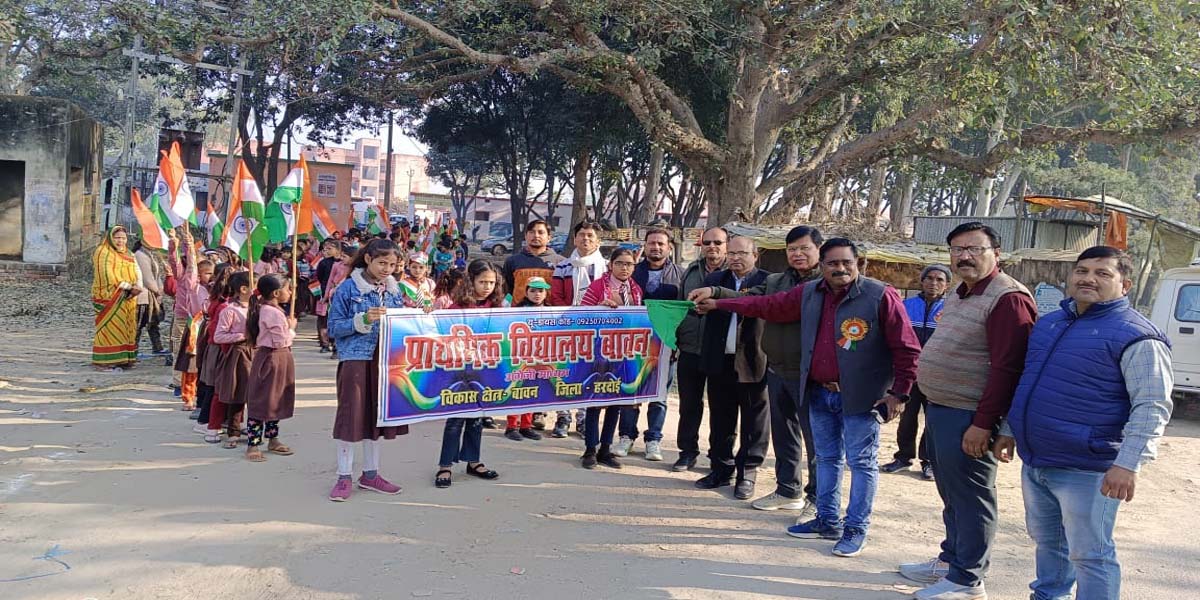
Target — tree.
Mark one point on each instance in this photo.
(465, 171)
(944, 66)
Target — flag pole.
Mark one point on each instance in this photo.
(295, 250)
(250, 254)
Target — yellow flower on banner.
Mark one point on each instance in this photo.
(853, 330)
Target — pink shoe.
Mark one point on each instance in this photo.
(341, 491)
(379, 484)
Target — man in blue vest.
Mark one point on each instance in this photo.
(923, 310)
(1090, 407)
(858, 357)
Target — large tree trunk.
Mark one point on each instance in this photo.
(879, 172)
(902, 206)
(983, 196)
(1010, 181)
(650, 201)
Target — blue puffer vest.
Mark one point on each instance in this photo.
(1071, 405)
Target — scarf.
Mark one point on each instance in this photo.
(586, 268)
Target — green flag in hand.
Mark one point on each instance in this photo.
(665, 317)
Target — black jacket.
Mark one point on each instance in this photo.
(750, 361)
(672, 276)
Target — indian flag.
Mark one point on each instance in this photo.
(216, 229)
(377, 220)
(153, 235)
(182, 207)
(246, 233)
(281, 213)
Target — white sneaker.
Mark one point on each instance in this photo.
(201, 428)
(930, 571)
(948, 590)
(775, 501)
(653, 451)
(624, 445)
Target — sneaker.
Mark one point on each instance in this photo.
(378, 484)
(685, 463)
(513, 435)
(529, 434)
(162, 352)
(341, 490)
(489, 423)
(200, 428)
(852, 543)
(928, 572)
(539, 421)
(809, 512)
(589, 459)
(948, 590)
(194, 415)
(815, 529)
(927, 472)
(623, 446)
(654, 451)
(177, 391)
(608, 459)
(776, 501)
(561, 427)
(895, 465)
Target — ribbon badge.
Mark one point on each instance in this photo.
(853, 330)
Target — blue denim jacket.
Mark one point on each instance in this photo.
(357, 340)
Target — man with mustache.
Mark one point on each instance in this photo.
(1093, 401)
(791, 430)
(969, 371)
(853, 326)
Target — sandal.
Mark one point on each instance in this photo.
(255, 455)
(482, 472)
(442, 482)
(212, 438)
(279, 448)
(231, 442)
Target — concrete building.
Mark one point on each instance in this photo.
(330, 183)
(369, 158)
(51, 157)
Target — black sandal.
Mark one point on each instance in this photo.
(442, 482)
(482, 472)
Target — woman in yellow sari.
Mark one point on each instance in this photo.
(117, 283)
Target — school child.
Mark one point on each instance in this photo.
(443, 292)
(617, 288)
(331, 252)
(354, 314)
(208, 352)
(338, 274)
(462, 439)
(443, 259)
(267, 263)
(271, 395)
(520, 427)
(191, 299)
(236, 354)
(418, 281)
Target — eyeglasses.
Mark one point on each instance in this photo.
(972, 250)
(624, 264)
(713, 242)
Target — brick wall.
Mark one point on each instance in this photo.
(15, 270)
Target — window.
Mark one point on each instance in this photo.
(370, 152)
(368, 191)
(371, 173)
(482, 215)
(326, 185)
(1187, 305)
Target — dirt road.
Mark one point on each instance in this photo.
(106, 493)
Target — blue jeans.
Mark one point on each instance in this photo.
(1072, 525)
(656, 416)
(842, 440)
(462, 440)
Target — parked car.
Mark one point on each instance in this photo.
(496, 246)
(558, 243)
(1177, 312)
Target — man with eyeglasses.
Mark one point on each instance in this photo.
(790, 426)
(969, 372)
(853, 326)
(732, 355)
(690, 375)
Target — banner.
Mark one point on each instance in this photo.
(471, 363)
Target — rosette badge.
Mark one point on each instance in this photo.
(854, 330)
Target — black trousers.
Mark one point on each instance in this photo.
(729, 400)
(691, 379)
(906, 431)
(149, 320)
(791, 432)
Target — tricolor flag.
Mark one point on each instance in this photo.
(174, 194)
(153, 235)
(245, 231)
(216, 229)
(377, 220)
(281, 213)
(323, 226)
(314, 286)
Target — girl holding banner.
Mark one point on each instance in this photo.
(617, 288)
(462, 439)
(354, 314)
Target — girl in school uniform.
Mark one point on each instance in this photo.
(617, 288)
(354, 313)
(520, 427)
(443, 293)
(462, 438)
(191, 299)
(338, 274)
(233, 364)
(208, 352)
(271, 395)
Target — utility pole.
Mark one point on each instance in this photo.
(125, 161)
(387, 186)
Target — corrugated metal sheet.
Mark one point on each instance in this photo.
(1034, 233)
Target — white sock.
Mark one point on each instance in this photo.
(370, 455)
(345, 458)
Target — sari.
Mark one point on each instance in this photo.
(115, 342)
